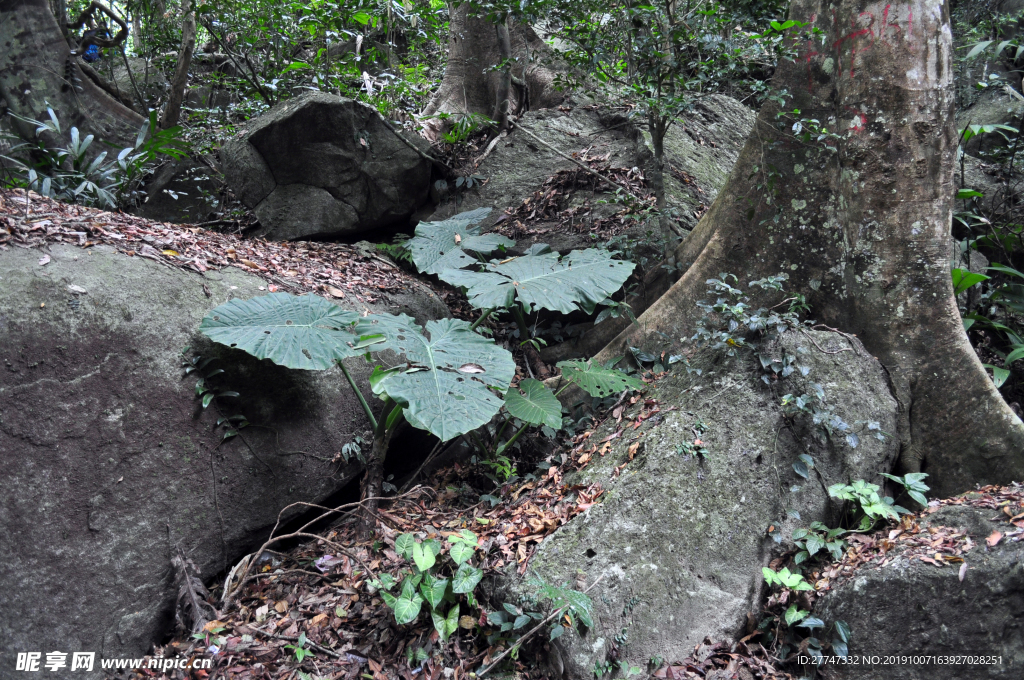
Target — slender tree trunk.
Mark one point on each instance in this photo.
(36, 68)
(503, 94)
(180, 81)
(373, 481)
(863, 231)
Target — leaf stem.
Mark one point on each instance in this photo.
(524, 330)
(483, 317)
(359, 395)
(511, 441)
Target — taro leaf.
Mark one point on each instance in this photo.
(597, 380)
(443, 245)
(306, 332)
(580, 280)
(466, 579)
(446, 386)
(534, 403)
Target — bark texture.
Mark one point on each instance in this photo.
(470, 86)
(863, 231)
(36, 68)
(180, 81)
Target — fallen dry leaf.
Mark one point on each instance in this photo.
(963, 571)
(335, 292)
(993, 539)
(44, 260)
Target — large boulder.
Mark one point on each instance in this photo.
(700, 150)
(908, 608)
(321, 165)
(679, 540)
(109, 465)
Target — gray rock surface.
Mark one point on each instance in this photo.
(679, 542)
(321, 165)
(107, 465)
(908, 607)
(180, 191)
(701, 147)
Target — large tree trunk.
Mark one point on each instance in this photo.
(36, 68)
(470, 85)
(863, 231)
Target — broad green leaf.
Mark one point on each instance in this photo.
(1014, 355)
(964, 194)
(446, 386)
(812, 623)
(963, 279)
(389, 599)
(843, 629)
(534, 403)
(814, 544)
(423, 557)
(452, 622)
(979, 48)
(306, 332)
(581, 605)
(404, 545)
(445, 245)
(439, 623)
(597, 380)
(460, 552)
(1006, 270)
(520, 622)
(795, 615)
(999, 375)
(407, 609)
(433, 590)
(466, 578)
(580, 280)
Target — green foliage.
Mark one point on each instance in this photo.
(815, 538)
(438, 246)
(784, 578)
(433, 580)
(596, 380)
(913, 484)
(580, 280)
(207, 391)
(534, 403)
(306, 332)
(577, 606)
(868, 508)
(64, 168)
(446, 384)
(299, 648)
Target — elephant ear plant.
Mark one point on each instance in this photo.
(449, 382)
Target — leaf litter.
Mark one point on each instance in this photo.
(333, 270)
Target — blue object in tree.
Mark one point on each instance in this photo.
(92, 53)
